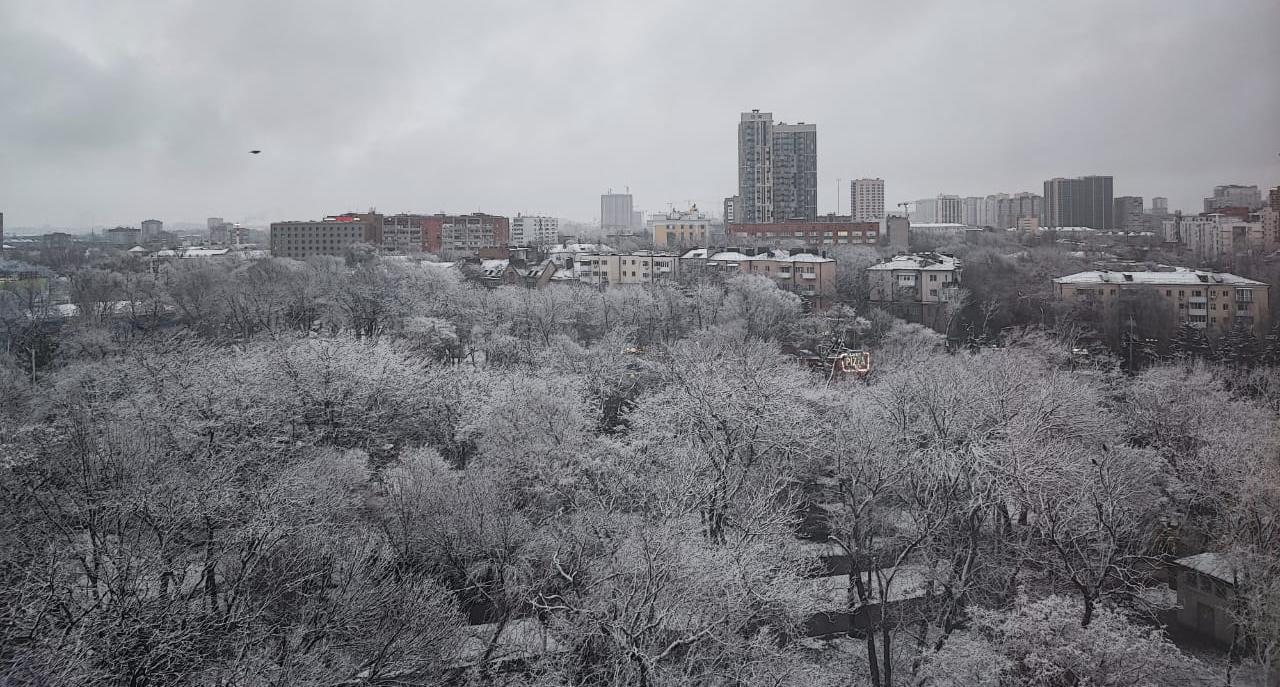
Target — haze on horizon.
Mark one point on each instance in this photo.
(116, 112)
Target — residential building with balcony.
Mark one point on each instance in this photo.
(915, 285)
(534, 230)
(620, 269)
(1214, 301)
(809, 275)
(681, 229)
(454, 236)
(1215, 236)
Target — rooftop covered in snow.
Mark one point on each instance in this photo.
(919, 261)
(1212, 564)
(1181, 276)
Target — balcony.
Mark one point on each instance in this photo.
(1197, 299)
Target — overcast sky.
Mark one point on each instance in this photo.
(113, 112)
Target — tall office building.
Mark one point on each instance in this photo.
(777, 170)
(616, 213)
(1, 233)
(1080, 202)
(1128, 214)
(867, 197)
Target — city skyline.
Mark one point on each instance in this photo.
(131, 113)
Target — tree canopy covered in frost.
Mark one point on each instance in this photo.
(380, 474)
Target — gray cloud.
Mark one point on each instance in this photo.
(112, 112)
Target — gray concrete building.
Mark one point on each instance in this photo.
(1234, 196)
(1018, 206)
(1080, 202)
(616, 213)
(1128, 214)
(777, 170)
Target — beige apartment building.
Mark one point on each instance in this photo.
(916, 287)
(914, 278)
(615, 269)
(805, 274)
(1214, 301)
(681, 229)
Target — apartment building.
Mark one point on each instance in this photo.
(777, 170)
(464, 235)
(943, 210)
(616, 212)
(620, 269)
(827, 230)
(808, 275)
(402, 233)
(329, 236)
(1128, 213)
(1216, 236)
(915, 278)
(866, 198)
(1079, 202)
(1215, 301)
(1233, 196)
(681, 229)
(534, 230)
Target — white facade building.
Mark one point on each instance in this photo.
(943, 210)
(534, 230)
(867, 198)
(973, 211)
(1214, 236)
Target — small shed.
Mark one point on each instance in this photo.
(905, 590)
(1206, 584)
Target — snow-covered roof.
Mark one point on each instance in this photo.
(580, 248)
(192, 253)
(520, 639)
(919, 261)
(905, 582)
(1178, 277)
(494, 268)
(1211, 564)
(441, 265)
(941, 225)
(137, 249)
(776, 255)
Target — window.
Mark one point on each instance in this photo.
(933, 277)
(1168, 292)
(1195, 294)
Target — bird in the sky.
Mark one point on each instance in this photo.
(255, 152)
